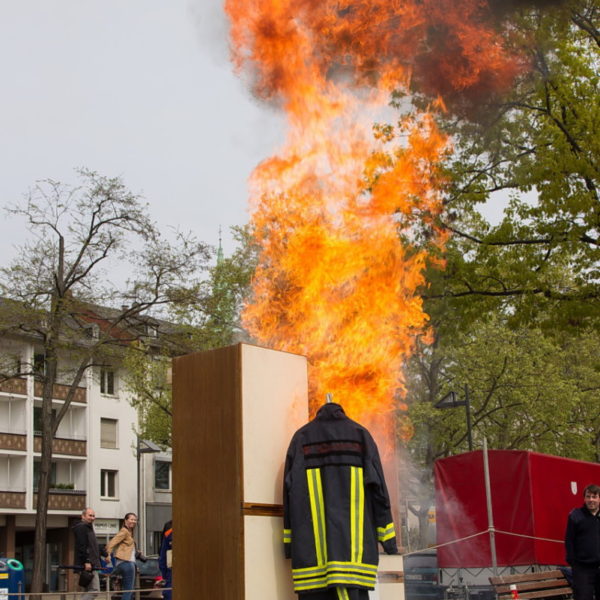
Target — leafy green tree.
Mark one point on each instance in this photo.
(228, 287)
(536, 150)
(538, 147)
(147, 376)
(528, 390)
(211, 321)
(58, 294)
(513, 308)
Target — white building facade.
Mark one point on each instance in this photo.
(94, 459)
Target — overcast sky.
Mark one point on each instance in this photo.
(142, 89)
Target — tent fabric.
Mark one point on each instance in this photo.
(532, 495)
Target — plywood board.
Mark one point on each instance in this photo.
(268, 574)
(274, 406)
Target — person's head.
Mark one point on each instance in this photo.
(130, 520)
(88, 515)
(591, 497)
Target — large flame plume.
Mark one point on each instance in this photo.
(346, 219)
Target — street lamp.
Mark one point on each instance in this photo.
(450, 400)
(142, 447)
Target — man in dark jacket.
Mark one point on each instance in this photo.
(87, 552)
(582, 544)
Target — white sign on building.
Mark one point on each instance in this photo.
(106, 526)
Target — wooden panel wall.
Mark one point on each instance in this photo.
(207, 431)
(234, 412)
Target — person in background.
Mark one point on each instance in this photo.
(87, 551)
(164, 559)
(582, 545)
(125, 551)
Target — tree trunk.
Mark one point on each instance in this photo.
(423, 517)
(39, 544)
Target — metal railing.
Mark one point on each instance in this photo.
(109, 588)
(64, 595)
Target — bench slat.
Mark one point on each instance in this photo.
(531, 586)
(565, 591)
(523, 586)
(517, 577)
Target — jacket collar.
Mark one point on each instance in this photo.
(329, 411)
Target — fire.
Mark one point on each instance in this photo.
(345, 219)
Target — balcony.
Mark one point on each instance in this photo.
(64, 500)
(12, 499)
(14, 386)
(63, 446)
(13, 441)
(60, 391)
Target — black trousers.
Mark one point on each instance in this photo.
(338, 594)
(586, 582)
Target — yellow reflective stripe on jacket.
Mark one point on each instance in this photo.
(342, 593)
(357, 513)
(287, 536)
(347, 565)
(386, 533)
(345, 579)
(317, 510)
(345, 573)
(336, 565)
(309, 571)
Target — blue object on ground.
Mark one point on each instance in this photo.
(12, 579)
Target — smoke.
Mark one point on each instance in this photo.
(212, 27)
(449, 48)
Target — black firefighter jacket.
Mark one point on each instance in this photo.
(336, 505)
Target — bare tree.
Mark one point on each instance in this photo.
(58, 293)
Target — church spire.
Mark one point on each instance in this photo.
(220, 256)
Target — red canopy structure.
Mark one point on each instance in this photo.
(532, 495)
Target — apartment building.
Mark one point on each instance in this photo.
(94, 459)
(156, 498)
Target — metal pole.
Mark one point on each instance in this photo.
(488, 498)
(468, 410)
(139, 513)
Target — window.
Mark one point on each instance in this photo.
(108, 433)
(37, 419)
(155, 542)
(107, 381)
(36, 474)
(108, 483)
(92, 331)
(39, 364)
(162, 475)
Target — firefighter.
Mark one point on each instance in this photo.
(165, 559)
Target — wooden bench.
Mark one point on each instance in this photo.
(542, 584)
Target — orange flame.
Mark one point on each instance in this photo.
(339, 211)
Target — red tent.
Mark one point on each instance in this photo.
(532, 495)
